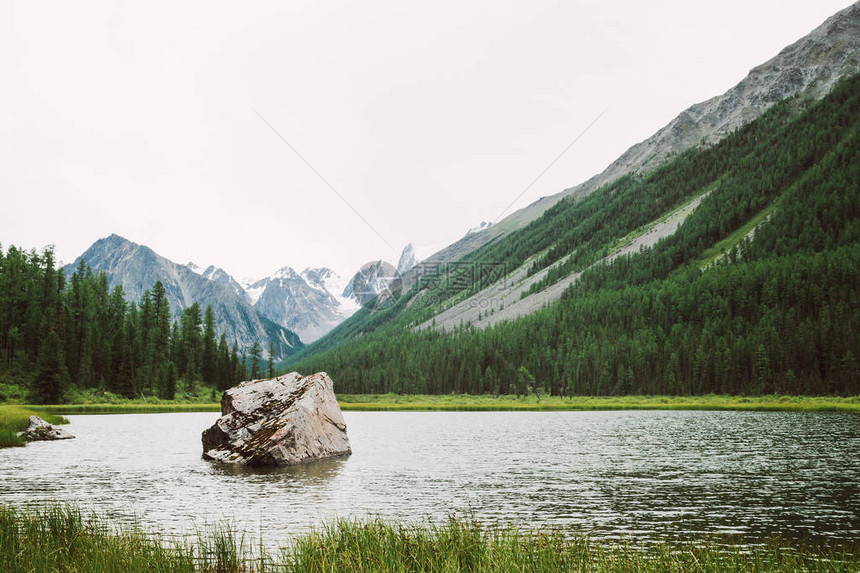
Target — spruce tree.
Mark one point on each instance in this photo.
(51, 371)
(255, 360)
(208, 365)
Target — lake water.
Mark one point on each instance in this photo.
(646, 474)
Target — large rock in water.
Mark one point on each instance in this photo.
(39, 429)
(286, 420)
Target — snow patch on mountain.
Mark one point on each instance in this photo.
(328, 281)
(253, 294)
(478, 228)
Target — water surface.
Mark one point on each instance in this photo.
(649, 474)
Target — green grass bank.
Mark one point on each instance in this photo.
(62, 538)
(14, 419)
(479, 403)
(465, 402)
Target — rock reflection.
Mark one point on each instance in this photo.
(318, 472)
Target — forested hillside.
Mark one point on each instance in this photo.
(757, 291)
(58, 335)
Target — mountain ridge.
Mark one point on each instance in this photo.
(137, 267)
(809, 67)
(309, 303)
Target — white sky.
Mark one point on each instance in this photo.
(137, 118)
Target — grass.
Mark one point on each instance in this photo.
(61, 538)
(465, 402)
(488, 403)
(628, 239)
(14, 419)
(722, 247)
(130, 407)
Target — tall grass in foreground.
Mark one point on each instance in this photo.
(14, 419)
(60, 538)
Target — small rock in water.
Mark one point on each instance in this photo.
(39, 429)
(286, 420)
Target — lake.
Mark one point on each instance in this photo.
(645, 474)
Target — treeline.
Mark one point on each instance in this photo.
(58, 334)
(787, 325)
(778, 312)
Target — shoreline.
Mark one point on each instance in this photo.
(489, 403)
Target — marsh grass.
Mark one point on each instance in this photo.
(14, 419)
(130, 407)
(488, 403)
(465, 402)
(61, 538)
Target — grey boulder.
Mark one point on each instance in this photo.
(39, 430)
(288, 420)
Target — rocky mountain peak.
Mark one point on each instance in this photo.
(407, 259)
(286, 273)
(809, 68)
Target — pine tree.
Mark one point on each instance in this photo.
(271, 359)
(51, 370)
(209, 366)
(190, 323)
(255, 360)
(224, 376)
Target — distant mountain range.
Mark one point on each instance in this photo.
(137, 268)
(289, 307)
(309, 303)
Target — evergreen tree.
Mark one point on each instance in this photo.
(191, 337)
(255, 360)
(224, 376)
(51, 370)
(209, 364)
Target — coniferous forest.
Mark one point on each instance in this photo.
(60, 335)
(711, 308)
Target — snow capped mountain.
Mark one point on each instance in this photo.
(311, 302)
(322, 277)
(379, 277)
(314, 301)
(371, 280)
(286, 273)
(331, 282)
(253, 293)
(219, 276)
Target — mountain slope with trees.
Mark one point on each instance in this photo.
(809, 68)
(778, 313)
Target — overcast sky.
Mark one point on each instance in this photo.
(141, 118)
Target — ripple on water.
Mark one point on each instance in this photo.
(649, 474)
